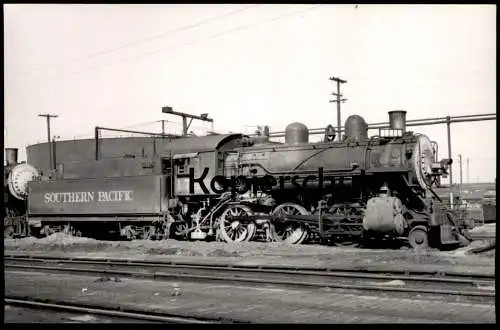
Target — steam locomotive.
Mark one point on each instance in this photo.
(235, 188)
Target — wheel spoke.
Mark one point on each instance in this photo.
(289, 232)
(234, 230)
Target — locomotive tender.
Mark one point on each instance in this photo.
(236, 188)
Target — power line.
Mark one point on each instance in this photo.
(183, 44)
(91, 133)
(484, 158)
(146, 39)
(143, 124)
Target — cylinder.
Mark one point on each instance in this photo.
(356, 128)
(296, 133)
(384, 215)
(11, 156)
(397, 120)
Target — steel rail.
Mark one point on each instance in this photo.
(357, 270)
(103, 311)
(244, 276)
(467, 279)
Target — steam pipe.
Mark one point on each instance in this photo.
(11, 156)
(338, 170)
(54, 156)
(96, 140)
(413, 122)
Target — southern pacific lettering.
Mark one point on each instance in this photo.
(89, 196)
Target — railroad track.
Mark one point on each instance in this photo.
(126, 314)
(479, 286)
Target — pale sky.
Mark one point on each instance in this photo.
(247, 65)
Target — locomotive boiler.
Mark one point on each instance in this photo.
(233, 187)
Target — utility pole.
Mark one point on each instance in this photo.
(338, 100)
(460, 159)
(163, 126)
(468, 177)
(48, 116)
(185, 116)
(448, 129)
(460, 186)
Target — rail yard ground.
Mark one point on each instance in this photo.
(15, 314)
(259, 253)
(469, 190)
(247, 303)
(243, 303)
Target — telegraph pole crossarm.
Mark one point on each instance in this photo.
(338, 80)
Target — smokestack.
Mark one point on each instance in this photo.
(11, 156)
(397, 120)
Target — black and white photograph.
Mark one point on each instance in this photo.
(249, 163)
